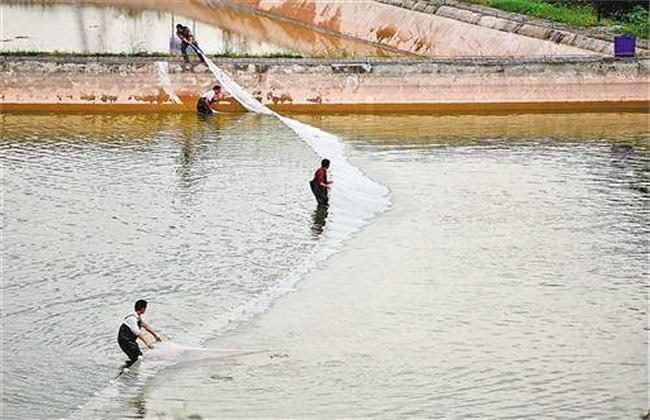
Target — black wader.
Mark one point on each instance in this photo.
(320, 193)
(127, 341)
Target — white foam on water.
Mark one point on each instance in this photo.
(169, 349)
(354, 200)
(354, 194)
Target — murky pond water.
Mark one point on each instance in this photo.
(93, 29)
(219, 29)
(508, 279)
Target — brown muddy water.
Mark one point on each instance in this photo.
(508, 278)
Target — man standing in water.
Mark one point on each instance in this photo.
(319, 185)
(204, 104)
(133, 328)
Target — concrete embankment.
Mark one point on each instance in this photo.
(522, 28)
(385, 28)
(481, 85)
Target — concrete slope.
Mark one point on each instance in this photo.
(599, 39)
(442, 31)
(385, 28)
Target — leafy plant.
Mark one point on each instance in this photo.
(559, 12)
(636, 23)
(631, 17)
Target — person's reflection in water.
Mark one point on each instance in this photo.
(319, 219)
(628, 168)
(192, 143)
(139, 404)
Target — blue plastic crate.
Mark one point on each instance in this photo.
(624, 45)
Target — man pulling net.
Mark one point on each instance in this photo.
(132, 328)
(204, 104)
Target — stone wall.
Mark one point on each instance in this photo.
(320, 86)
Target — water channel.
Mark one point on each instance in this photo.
(89, 29)
(468, 267)
(508, 277)
(94, 29)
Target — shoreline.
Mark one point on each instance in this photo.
(352, 109)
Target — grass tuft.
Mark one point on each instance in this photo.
(579, 15)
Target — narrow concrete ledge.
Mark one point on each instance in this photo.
(559, 36)
(534, 31)
(257, 61)
(459, 14)
(498, 24)
(358, 68)
(592, 44)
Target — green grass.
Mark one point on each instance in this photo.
(577, 16)
(635, 23)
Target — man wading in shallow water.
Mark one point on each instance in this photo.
(319, 185)
(204, 104)
(133, 328)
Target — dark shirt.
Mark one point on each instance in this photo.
(184, 33)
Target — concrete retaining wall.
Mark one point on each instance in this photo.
(433, 28)
(425, 28)
(599, 40)
(307, 85)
